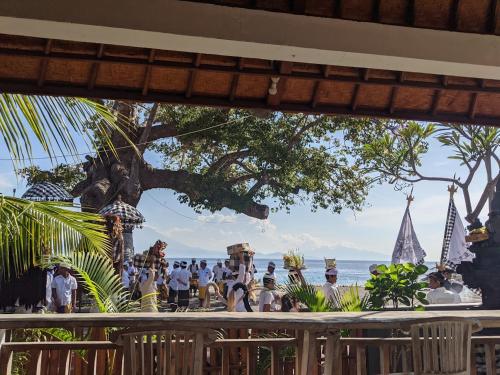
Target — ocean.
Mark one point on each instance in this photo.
(350, 271)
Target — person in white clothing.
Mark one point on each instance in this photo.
(64, 290)
(147, 286)
(125, 277)
(226, 276)
(204, 277)
(242, 276)
(271, 266)
(172, 285)
(218, 272)
(330, 289)
(438, 293)
(268, 297)
(48, 288)
(183, 276)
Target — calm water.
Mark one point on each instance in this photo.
(350, 271)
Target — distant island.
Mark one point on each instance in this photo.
(146, 236)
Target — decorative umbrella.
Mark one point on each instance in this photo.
(127, 213)
(407, 248)
(47, 191)
(130, 217)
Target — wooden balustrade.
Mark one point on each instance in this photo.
(242, 342)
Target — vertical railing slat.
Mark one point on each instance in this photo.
(385, 360)
(360, 360)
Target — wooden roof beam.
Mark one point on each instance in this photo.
(45, 62)
(147, 75)
(192, 75)
(231, 31)
(493, 16)
(95, 67)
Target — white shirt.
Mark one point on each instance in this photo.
(193, 268)
(147, 284)
(125, 279)
(228, 273)
(205, 275)
(238, 298)
(443, 296)
(183, 276)
(131, 273)
(48, 287)
(267, 297)
(173, 279)
(330, 290)
(218, 272)
(64, 286)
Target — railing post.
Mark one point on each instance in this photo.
(333, 354)
(360, 360)
(5, 355)
(275, 360)
(309, 362)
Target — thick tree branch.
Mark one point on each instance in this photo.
(165, 130)
(482, 201)
(227, 160)
(296, 137)
(195, 187)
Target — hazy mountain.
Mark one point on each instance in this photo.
(143, 238)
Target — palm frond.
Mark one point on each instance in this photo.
(53, 123)
(29, 230)
(309, 295)
(96, 272)
(351, 300)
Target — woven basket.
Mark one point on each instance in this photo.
(330, 263)
(477, 237)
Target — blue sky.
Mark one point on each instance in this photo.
(315, 234)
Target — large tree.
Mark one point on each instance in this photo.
(394, 152)
(216, 158)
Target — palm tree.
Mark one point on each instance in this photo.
(31, 230)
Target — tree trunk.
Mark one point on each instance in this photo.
(128, 175)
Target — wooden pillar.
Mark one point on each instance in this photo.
(309, 361)
(198, 354)
(299, 335)
(275, 360)
(5, 354)
(333, 354)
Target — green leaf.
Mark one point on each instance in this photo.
(29, 230)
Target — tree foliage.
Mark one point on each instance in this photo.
(215, 158)
(30, 230)
(393, 152)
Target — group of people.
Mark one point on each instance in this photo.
(235, 288)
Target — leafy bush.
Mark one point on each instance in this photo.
(398, 284)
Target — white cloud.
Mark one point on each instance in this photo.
(169, 232)
(302, 239)
(217, 218)
(5, 181)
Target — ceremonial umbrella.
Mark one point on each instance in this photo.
(128, 214)
(47, 191)
(130, 217)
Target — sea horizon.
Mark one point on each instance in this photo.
(351, 272)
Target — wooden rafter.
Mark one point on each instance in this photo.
(454, 15)
(45, 62)
(105, 71)
(493, 16)
(430, 14)
(95, 67)
(147, 75)
(192, 75)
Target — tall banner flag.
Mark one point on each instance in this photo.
(454, 249)
(407, 248)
